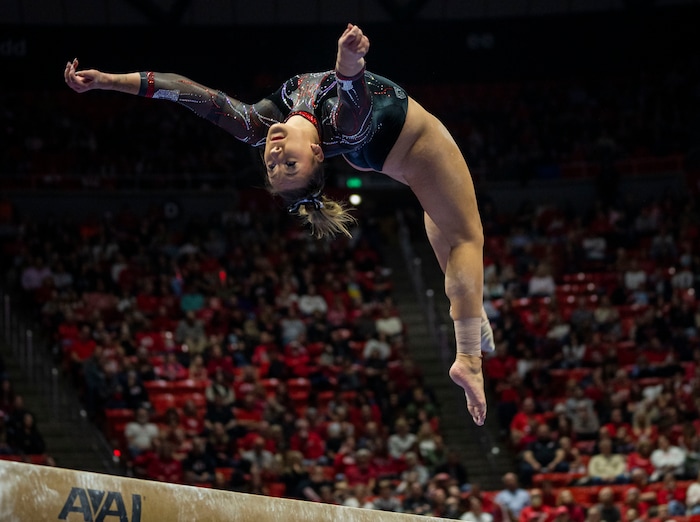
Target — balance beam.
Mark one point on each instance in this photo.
(30, 492)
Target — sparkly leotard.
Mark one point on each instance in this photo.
(360, 117)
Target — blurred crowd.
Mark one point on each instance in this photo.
(20, 438)
(515, 131)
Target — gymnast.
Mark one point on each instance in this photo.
(375, 126)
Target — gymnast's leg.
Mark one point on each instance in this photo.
(466, 370)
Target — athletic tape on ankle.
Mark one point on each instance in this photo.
(468, 335)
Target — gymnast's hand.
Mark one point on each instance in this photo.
(87, 80)
(352, 47)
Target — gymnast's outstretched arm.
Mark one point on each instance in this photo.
(247, 122)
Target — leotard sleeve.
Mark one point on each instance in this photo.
(246, 122)
(352, 116)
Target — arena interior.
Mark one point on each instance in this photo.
(164, 318)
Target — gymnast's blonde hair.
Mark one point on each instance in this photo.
(324, 216)
(328, 219)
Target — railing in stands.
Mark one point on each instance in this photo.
(24, 340)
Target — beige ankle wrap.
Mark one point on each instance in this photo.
(468, 335)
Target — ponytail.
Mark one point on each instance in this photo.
(327, 219)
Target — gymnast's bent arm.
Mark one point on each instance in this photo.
(246, 122)
(352, 115)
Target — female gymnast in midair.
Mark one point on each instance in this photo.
(375, 126)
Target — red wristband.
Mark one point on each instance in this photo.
(150, 89)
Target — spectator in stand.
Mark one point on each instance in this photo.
(475, 511)
(635, 281)
(192, 421)
(197, 371)
(500, 364)
(389, 322)
(359, 497)
(585, 422)
(293, 328)
(641, 458)
(287, 296)
(133, 391)
(141, 432)
(606, 317)
(582, 318)
(413, 471)
(420, 407)
(164, 467)
(190, 332)
(572, 454)
(217, 360)
(311, 301)
(192, 298)
(172, 369)
(442, 503)
(560, 514)
(7, 391)
(593, 514)
(512, 498)
(163, 321)
(249, 413)
(377, 341)
(338, 314)
(34, 273)
(311, 488)
(198, 466)
(663, 246)
(402, 440)
(573, 351)
(143, 364)
(673, 495)
(642, 426)
(79, 351)
(543, 455)
(220, 445)
(387, 499)
(26, 439)
(640, 480)
(633, 501)
(5, 448)
(524, 424)
(609, 512)
(171, 429)
(607, 467)
(362, 471)
(536, 511)
(576, 511)
(221, 386)
(222, 414)
(430, 445)
(95, 381)
(307, 442)
(259, 456)
(455, 469)
(541, 283)
(617, 422)
(692, 496)
(667, 458)
(415, 500)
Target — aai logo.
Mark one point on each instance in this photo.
(100, 506)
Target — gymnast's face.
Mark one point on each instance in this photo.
(290, 156)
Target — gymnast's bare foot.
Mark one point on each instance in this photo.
(466, 371)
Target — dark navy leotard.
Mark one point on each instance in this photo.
(359, 117)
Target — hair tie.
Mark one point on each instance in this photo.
(312, 199)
